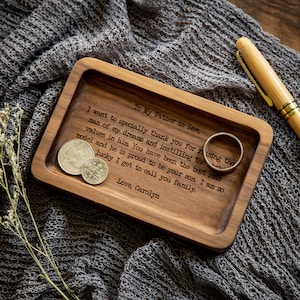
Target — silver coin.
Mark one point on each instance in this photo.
(94, 170)
(73, 154)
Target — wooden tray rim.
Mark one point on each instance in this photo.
(217, 242)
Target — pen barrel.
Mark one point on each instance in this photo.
(270, 83)
(294, 122)
(263, 73)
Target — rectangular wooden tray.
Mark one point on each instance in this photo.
(151, 135)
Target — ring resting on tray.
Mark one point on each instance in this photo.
(213, 138)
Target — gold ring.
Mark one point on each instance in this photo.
(219, 168)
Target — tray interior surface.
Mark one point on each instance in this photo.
(153, 147)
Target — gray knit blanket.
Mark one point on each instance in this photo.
(188, 44)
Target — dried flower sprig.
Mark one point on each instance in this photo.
(12, 183)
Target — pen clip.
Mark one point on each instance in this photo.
(251, 77)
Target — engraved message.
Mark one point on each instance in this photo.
(156, 155)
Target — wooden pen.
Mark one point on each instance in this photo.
(268, 83)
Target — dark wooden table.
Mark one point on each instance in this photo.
(278, 17)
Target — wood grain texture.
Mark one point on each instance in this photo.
(151, 135)
(278, 17)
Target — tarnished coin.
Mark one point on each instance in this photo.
(94, 170)
(73, 154)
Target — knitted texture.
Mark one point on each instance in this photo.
(189, 44)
